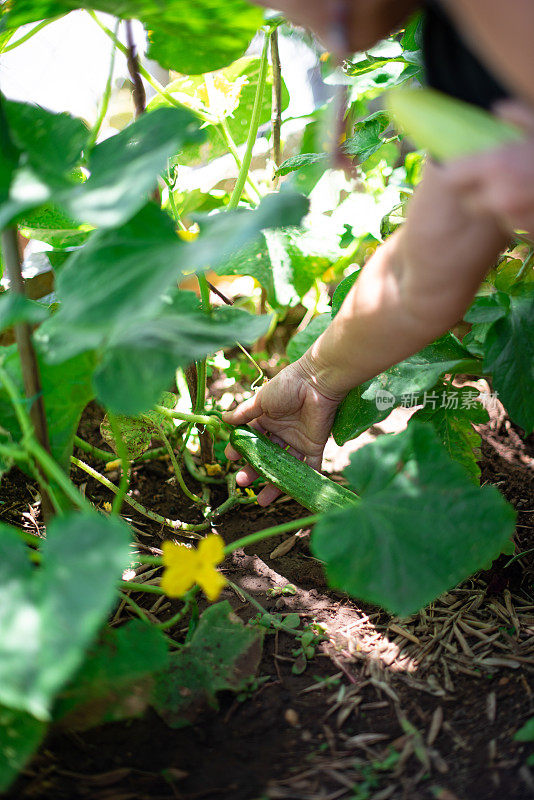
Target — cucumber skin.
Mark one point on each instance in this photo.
(312, 490)
(447, 128)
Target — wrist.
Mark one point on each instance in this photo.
(326, 378)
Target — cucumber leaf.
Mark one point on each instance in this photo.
(509, 357)
(384, 550)
(49, 616)
(222, 655)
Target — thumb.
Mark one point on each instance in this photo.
(245, 412)
(516, 113)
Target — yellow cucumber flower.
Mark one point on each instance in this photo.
(185, 566)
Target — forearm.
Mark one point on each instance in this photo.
(415, 287)
(502, 34)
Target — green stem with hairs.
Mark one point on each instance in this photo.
(140, 587)
(155, 84)
(189, 600)
(197, 419)
(253, 129)
(177, 472)
(276, 623)
(125, 464)
(176, 525)
(104, 105)
(30, 34)
(259, 536)
(108, 456)
(196, 473)
(96, 452)
(232, 147)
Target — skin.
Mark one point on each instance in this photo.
(416, 286)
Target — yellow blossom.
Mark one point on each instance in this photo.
(185, 566)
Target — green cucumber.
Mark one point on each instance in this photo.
(312, 490)
(446, 127)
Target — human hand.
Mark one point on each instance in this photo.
(346, 26)
(500, 183)
(294, 412)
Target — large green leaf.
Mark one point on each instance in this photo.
(141, 359)
(285, 262)
(52, 142)
(192, 37)
(222, 655)
(117, 276)
(509, 357)
(385, 550)
(301, 341)
(38, 150)
(404, 383)
(16, 308)
(120, 278)
(50, 225)
(202, 35)
(66, 390)
(116, 679)
(453, 422)
(20, 736)
(125, 167)
(48, 616)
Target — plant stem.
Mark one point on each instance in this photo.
(107, 456)
(285, 527)
(527, 263)
(104, 105)
(232, 147)
(176, 525)
(139, 96)
(125, 465)
(273, 621)
(140, 587)
(96, 452)
(29, 35)
(54, 471)
(253, 129)
(177, 472)
(28, 359)
(155, 84)
(197, 419)
(196, 473)
(189, 599)
(276, 118)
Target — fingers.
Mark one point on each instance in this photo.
(245, 412)
(267, 495)
(516, 114)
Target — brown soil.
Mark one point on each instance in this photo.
(417, 708)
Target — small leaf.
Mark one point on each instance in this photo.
(125, 167)
(342, 290)
(526, 733)
(367, 136)
(384, 550)
(303, 160)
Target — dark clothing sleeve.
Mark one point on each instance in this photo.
(451, 66)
